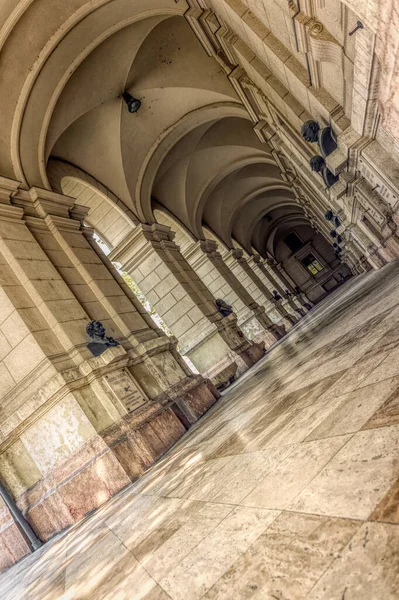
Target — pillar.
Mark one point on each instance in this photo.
(276, 271)
(251, 270)
(74, 428)
(274, 282)
(222, 282)
(215, 345)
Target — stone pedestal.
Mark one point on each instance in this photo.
(13, 545)
(299, 300)
(292, 305)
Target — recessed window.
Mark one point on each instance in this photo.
(293, 241)
(312, 264)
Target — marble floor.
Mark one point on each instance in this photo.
(288, 489)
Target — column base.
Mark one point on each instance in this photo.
(267, 337)
(251, 355)
(112, 459)
(196, 401)
(73, 489)
(223, 374)
(141, 438)
(13, 546)
(278, 330)
(296, 307)
(287, 322)
(292, 319)
(247, 352)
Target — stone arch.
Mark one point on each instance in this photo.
(108, 215)
(203, 197)
(183, 237)
(191, 121)
(72, 34)
(211, 235)
(267, 190)
(263, 235)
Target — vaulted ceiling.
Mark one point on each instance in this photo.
(190, 148)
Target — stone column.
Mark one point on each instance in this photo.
(74, 428)
(275, 283)
(251, 269)
(222, 282)
(214, 344)
(276, 272)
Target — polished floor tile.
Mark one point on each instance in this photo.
(355, 409)
(368, 568)
(287, 489)
(302, 464)
(388, 508)
(287, 560)
(386, 415)
(357, 478)
(216, 553)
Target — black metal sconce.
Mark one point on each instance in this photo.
(133, 104)
(359, 25)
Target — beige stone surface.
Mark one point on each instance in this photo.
(313, 515)
(216, 155)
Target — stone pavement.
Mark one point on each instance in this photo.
(288, 489)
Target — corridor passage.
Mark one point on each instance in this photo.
(287, 489)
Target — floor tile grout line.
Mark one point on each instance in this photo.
(279, 512)
(287, 457)
(201, 540)
(140, 563)
(332, 562)
(341, 517)
(325, 465)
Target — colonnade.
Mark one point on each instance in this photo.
(77, 428)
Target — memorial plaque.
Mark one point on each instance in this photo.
(123, 386)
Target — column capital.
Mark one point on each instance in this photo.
(37, 202)
(237, 253)
(270, 262)
(256, 258)
(8, 188)
(210, 247)
(156, 232)
(140, 242)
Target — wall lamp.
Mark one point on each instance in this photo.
(133, 104)
(359, 25)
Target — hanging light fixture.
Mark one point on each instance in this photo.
(133, 104)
